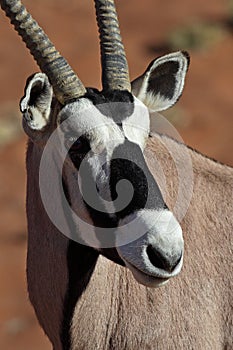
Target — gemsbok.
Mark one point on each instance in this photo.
(111, 205)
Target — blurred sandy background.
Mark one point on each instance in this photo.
(203, 116)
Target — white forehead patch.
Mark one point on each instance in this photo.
(83, 118)
(136, 127)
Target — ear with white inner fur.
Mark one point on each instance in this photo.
(36, 103)
(162, 84)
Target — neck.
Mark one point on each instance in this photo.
(183, 174)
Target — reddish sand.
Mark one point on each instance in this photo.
(207, 102)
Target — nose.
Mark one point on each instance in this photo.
(161, 260)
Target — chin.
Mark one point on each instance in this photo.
(146, 279)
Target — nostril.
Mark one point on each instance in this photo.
(160, 261)
(156, 257)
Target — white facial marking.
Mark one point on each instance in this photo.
(162, 231)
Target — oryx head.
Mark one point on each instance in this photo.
(105, 176)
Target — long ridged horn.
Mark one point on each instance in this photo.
(115, 73)
(66, 84)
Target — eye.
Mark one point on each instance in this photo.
(77, 146)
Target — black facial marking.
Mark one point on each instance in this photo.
(78, 149)
(129, 164)
(163, 79)
(99, 220)
(92, 199)
(117, 105)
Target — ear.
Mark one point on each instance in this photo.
(36, 103)
(162, 84)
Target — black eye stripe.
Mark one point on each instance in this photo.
(78, 145)
(77, 149)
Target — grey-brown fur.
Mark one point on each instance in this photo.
(193, 311)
